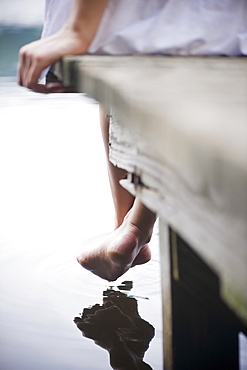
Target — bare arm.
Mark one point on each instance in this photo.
(73, 39)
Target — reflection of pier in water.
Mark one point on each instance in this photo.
(117, 327)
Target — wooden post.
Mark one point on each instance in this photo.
(167, 307)
(199, 331)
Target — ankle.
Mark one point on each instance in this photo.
(142, 234)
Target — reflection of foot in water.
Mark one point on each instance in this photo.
(117, 327)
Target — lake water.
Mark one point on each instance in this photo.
(54, 201)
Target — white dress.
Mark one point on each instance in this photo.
(169, 27)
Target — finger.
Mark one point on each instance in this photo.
(25, 60)
(39, 88)
(26, 66)
(33, 73)
(21, 65)
(50, 88)
(54, 87)
(26, 70)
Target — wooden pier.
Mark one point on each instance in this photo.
(179, 127)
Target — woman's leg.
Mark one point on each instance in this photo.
(122, 199)
(127, 245)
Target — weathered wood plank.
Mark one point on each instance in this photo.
(181, 128)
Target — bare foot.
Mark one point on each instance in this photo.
(123, 249)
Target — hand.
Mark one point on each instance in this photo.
(73, 39)
(35, 57)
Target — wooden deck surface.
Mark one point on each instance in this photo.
(179, 127)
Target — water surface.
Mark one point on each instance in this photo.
(54, 201)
